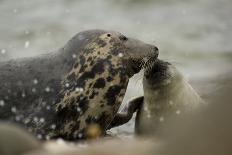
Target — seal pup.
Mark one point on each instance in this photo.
(63, 93)
(166, 92)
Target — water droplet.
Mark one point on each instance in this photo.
(26, 44)
(67, 85)
(39, 136)
(178, 112)
(161, 119)
(53, 126)
(48, 107)
(120, 55)
(42, 120)
(60, 141)
(3, 51)
(35, 119)
(35, 81)
(15, 10)
(17, 118)
(79, 109)
(171, 102)
(47, 89)
(23, 95)
(26, 31)
(47, 137)
(2, 103)
(27, 120)
(13, 109)
(80, 135)
(33, 90)
(74, 56)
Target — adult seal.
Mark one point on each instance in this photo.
(64, 93)
(166, 92)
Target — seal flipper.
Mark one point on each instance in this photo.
(121, 119)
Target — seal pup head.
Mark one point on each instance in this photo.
(94, 88)
(158, 73)
(166, 92)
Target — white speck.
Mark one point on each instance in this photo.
(42, 120)
(3, 51)
(171, 102)
(33, 90)
(44, 103)
(13, 109)
(81, 89)
(148, 115)
(39, 136)
(161, 119)
(74, 56)
(23, 95)
(27, 120)
(47, 137)
(53, 126)
(120, 55)
(15, 10)
(35, 119)
(67, 85)
(26, 32)
(78, 109)
(178, 112)
(35, 81)
(80, 135)
(47, 89)
(48, 107)
(17, 118)
(26, 44)
(2, 103)
(60, 141)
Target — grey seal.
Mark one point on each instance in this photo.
(63, 93)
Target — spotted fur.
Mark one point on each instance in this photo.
(82, 84)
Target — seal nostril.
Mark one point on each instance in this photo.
(122, 37)
(108, 35)
(155, 48)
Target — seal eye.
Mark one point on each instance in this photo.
(108, 35)
(123, 38)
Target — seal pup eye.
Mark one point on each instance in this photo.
(108, 35)
(123, 38)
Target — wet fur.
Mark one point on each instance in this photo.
(49, 108)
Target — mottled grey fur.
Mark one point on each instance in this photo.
(40, 93)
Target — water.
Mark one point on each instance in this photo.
(194, 35)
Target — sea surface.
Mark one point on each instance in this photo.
(193, 35)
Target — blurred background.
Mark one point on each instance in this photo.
(194, 35)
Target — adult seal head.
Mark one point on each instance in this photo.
(61, 94)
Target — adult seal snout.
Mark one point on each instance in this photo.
(62, 94)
